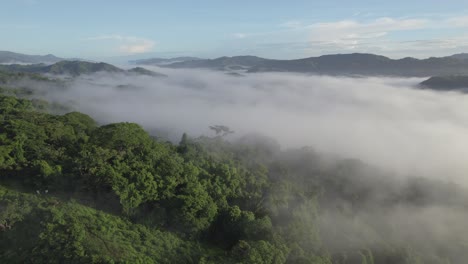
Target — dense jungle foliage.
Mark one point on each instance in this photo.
(73, 191)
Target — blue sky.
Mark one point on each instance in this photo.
(208, 28)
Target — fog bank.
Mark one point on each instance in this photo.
(383, 121)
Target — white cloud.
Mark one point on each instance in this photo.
(137, 47)
(380, 120)
(348, 34)
(390, 36)
(430, 44)
(129, 44)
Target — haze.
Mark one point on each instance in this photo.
(386, 122)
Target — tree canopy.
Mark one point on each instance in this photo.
(72, 191)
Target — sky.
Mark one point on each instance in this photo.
(292, 29)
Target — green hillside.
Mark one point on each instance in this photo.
(13, 57)
(72, 191)
(76, 68)
(143, 71)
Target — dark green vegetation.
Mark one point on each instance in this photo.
(72, 191)
(73, 68)
(143, 71)
(338, 64)
(11, 77)
(76, 68)
(447, 83)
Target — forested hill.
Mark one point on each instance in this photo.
(72, 191)
(12, 57)
(447, 83)
(74, 68)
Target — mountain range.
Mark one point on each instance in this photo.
(8, 57)
(337, 64)
(449, 73)
(75, 68)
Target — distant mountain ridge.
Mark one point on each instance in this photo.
(447, 83)
(355, 64)
(337, 64)
(75, 68)
(461, 56)
(224, 63)
(12, 57)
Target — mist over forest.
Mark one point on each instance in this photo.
(231, 132)
(201, 166)
(384, 121)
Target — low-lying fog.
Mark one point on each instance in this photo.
(383, 121)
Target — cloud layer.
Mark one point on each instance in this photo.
(348, 34)
(383, 121)
(386, 122)
(424, 36)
